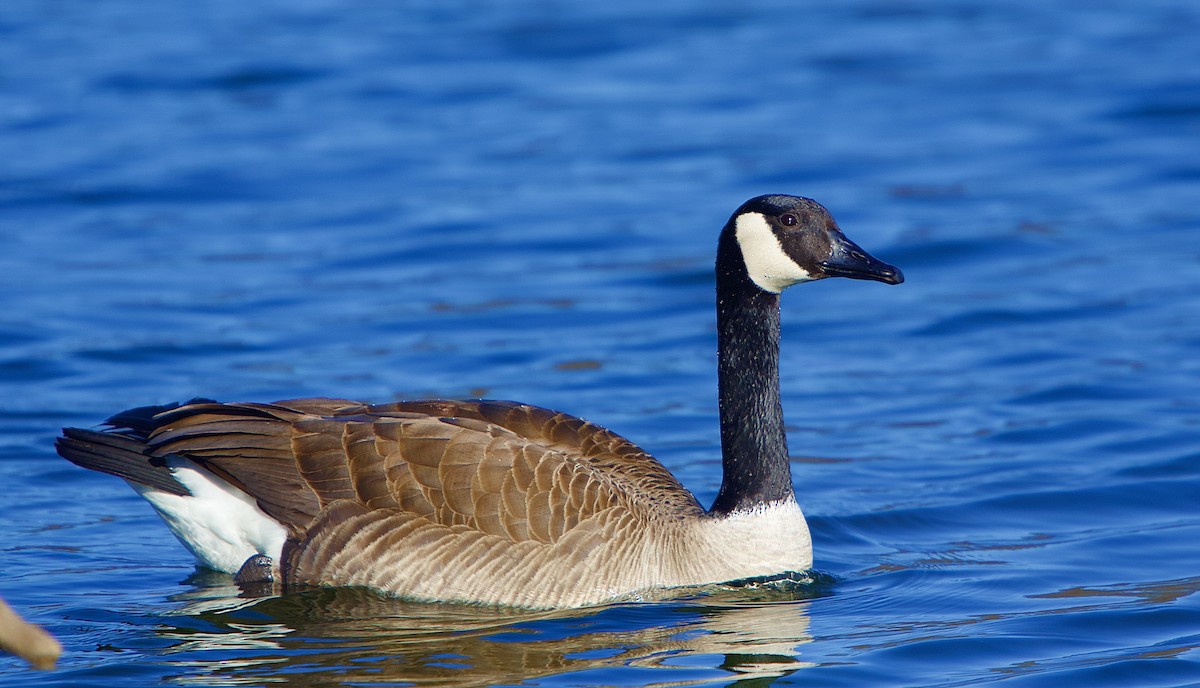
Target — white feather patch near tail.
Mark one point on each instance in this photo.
(218, 523)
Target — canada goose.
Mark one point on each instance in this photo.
(494, 501)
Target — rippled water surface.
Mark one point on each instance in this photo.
(1000, 459)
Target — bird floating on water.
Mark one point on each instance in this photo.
(496, 502)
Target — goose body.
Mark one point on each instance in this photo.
(490, 501)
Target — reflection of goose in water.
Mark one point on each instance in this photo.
(498, 502)
(331, 636)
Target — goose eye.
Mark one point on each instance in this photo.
(788, 220)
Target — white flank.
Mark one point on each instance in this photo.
(218, 523)
(770, 268)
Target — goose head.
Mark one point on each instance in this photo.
(785, 240)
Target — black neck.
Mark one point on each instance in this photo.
(753, 443)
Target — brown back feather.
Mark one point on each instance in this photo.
(518, 472)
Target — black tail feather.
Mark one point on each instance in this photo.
(119, 455)
(142, 420)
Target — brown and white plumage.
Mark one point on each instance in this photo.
(491, 501)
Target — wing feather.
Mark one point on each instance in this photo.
(428, 473)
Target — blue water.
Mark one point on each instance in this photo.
(1000, 459)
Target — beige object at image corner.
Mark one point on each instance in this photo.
(26, 640)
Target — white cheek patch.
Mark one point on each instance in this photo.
(770, 268)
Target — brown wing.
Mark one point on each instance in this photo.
(512, 471)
